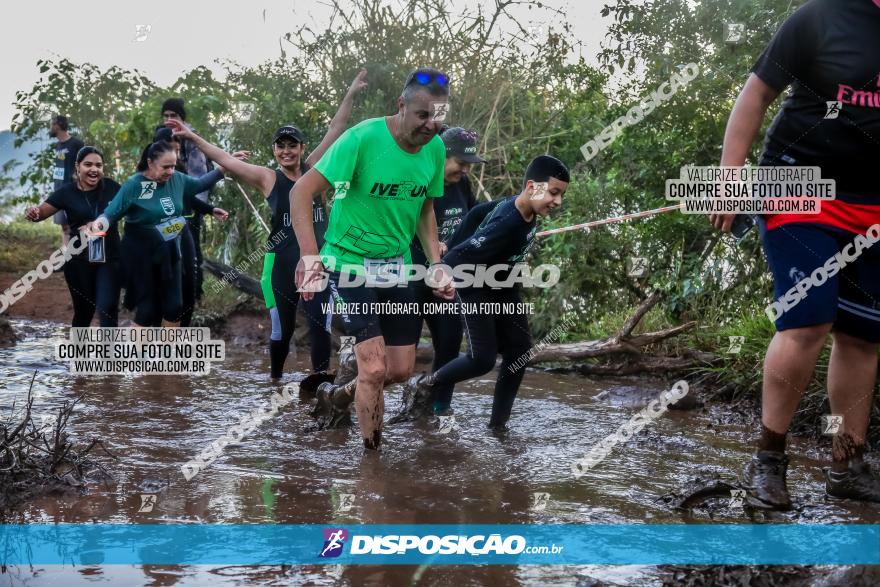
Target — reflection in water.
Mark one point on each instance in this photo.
(282, 473)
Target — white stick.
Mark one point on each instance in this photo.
(254, 208)
(612, 220)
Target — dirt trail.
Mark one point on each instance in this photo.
(48, 300)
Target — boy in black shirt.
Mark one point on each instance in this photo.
(505, 234)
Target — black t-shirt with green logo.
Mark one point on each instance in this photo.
(282, 236)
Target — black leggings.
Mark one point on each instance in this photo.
(163, 299)
(286, 300)
(93, 286)
(446, 332)
(486, 336)
(195, 226)
(189, 266)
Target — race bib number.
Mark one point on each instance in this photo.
(171, 228)
(383, 271)
(58, 174)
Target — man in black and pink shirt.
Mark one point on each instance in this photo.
(828, 54)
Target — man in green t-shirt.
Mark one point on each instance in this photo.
(385, 172)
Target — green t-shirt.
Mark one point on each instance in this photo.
(380, 190)
(147, 203)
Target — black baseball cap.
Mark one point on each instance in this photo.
(461, 143)
(289, 132)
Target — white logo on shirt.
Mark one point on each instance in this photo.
(833, 111)
(147, 189)
(341, 189)
(167, 205)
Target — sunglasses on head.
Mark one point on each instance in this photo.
(425, 77)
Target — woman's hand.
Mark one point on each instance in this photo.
(179, 130)
(33, 214)
(97, 227)
(220, 214)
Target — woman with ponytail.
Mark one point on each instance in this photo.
(189, 249)
(153, 203)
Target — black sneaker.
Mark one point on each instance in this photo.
(309, 385)
(857, 483)
(331, 409)
(334, 398)
(416, 401)
(764, 480)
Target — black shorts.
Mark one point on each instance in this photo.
(368, 312)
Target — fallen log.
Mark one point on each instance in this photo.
(641, 365)
(628, 344)
(236, 279)
(616, 344)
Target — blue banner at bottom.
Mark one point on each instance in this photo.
(215, 544)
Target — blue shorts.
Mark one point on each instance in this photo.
(396, 321)
(849, 299)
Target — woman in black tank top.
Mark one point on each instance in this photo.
(279, 289)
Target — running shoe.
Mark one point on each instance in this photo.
(857, 483)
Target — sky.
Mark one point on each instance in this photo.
(184, 34)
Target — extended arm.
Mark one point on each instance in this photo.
(301, 197)
(41, 212)
(742, 128)
(426, 230)
(340, 120)
(259, 177)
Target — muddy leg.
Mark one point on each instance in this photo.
(852, 372)
(788, 366)
(368, 400)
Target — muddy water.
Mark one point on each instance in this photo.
(283, 473)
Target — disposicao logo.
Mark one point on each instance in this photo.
(334, 540)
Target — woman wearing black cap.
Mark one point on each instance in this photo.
(279, 289)
(91, 275)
